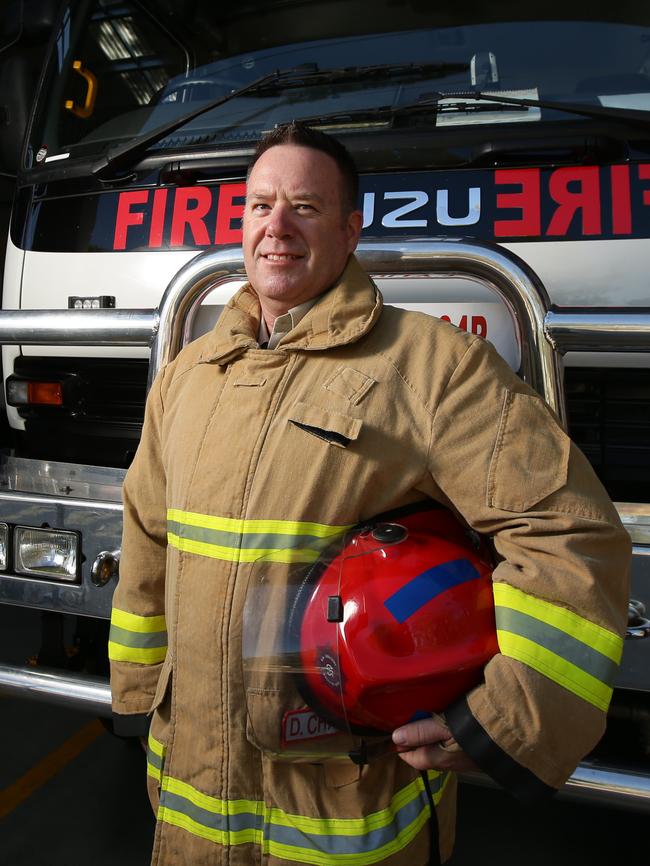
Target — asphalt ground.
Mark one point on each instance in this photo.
(72, 794)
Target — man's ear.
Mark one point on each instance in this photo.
(354, 224)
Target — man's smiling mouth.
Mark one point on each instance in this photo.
(280, 257)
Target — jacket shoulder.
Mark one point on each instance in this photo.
(187, 358)
(437, 334)
(424, 350)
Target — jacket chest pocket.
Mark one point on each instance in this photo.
(334, 428)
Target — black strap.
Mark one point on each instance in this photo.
(434, 854)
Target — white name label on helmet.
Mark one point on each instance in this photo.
(305, 724)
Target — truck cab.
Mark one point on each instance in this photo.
(517, 139)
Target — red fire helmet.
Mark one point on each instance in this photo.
(397, 623)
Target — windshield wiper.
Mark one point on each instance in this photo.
(126, 154)
(629, 115)
(474, 101)
(346, 74)
(307, 75)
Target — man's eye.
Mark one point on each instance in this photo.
(302, 206)
(260, 206)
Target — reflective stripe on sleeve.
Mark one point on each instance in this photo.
(318, 841)
(137, 639)
(235, 540)
(570, 650)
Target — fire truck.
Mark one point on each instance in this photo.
(504, 154)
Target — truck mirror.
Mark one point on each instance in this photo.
(25, 29)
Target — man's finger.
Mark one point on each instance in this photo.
(420, 733)
(435, 758)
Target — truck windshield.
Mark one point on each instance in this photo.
(122, 68)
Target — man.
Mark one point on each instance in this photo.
(353, 410)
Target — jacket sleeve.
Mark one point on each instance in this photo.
(138, 637)
(560, 585)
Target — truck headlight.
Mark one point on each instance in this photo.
(4, 541)
(51, 553)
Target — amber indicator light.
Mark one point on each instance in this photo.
(45, 393)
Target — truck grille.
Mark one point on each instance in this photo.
(608, 411)
(609, 419)
(103, 426)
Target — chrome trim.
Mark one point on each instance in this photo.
(76, 691)
(635, 517)
(606, 785)
(78, 327)
(591, 782)
(638, 624)
(68, 497)
(600, 784)
(496, 268)
(36, 499)
(606, 330)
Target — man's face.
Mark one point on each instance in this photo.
(297, 235)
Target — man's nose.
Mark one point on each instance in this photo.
(280, 224)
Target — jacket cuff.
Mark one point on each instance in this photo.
(481, 748)
(135, 725)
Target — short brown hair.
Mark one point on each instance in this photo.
(301, 135)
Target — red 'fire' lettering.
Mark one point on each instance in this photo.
(527, 200)
(183, 215)
(621, 209)
(227, 212)
(157, 218)
(644, 174)
(126, 217)
(586, 199)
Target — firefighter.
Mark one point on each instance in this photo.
(309, 408)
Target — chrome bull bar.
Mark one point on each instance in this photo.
(545, 333)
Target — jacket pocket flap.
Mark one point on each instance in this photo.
(331, 426)
(525, 470)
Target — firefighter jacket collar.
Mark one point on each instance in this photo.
(342, 315)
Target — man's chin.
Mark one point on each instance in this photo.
(293, 292)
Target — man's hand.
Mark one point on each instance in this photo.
(428, 745)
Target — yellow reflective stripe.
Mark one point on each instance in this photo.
(433, 776)
(156, 746)
(342, 826)
(155, 758)
(241, 526)
(555, 668)
(236, 554)
(222, 837)
(140, 624)
(601, 639)
(211, 804)
(263, 825)
(349, 826)
(140, 655)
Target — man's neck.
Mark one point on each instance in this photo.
(283, 323)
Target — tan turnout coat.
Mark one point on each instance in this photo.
(237, 458)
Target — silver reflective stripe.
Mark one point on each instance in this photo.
(137, 639)
(246, 540)
(362, 843)
(318, 841)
